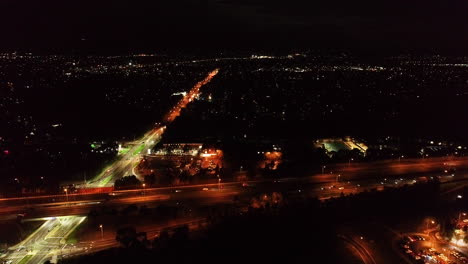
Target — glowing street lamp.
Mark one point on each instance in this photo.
(66, 193)
(102, 231)
(459, 216)
(323, 168)
(349, 161)
(144, 188)
(429, 222)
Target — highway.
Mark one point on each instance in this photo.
(151, 196)
(359, 248)
(336, 179)
(65, 215)
(437, 166)
(46, 241)
(125, 163)
(88, 246)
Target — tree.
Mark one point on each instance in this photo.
(127, 182)
(162, 241)
(181, 233)
(144, 210)
(93, 213)
(130, 209)
(150, 180)
(127, 237)
(184, 176)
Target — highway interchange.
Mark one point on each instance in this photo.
(49, 239)
(61, 214)
(64, 216)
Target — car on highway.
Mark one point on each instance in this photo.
(459, 256)
(20, 248)
(455, 255)
(416, 237)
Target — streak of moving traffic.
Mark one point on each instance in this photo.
(322, 186)
(125, 164)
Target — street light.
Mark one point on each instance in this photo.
(144, 188)
(399, 158)
(323, 168)
(66, 193)
(427, 224)
(102, 232)
(219, 183)
(349, 161)
(337, 177)
(459, 216)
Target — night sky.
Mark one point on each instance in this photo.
(398, 25)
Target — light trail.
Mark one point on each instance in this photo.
(46, 242)
(126, 163)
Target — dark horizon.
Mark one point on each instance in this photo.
(124, 26)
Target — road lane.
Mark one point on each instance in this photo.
(45, 242)
(125, 163)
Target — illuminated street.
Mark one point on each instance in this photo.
(125, 163)
(46, 242)
(344, 179)
(193, 195)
